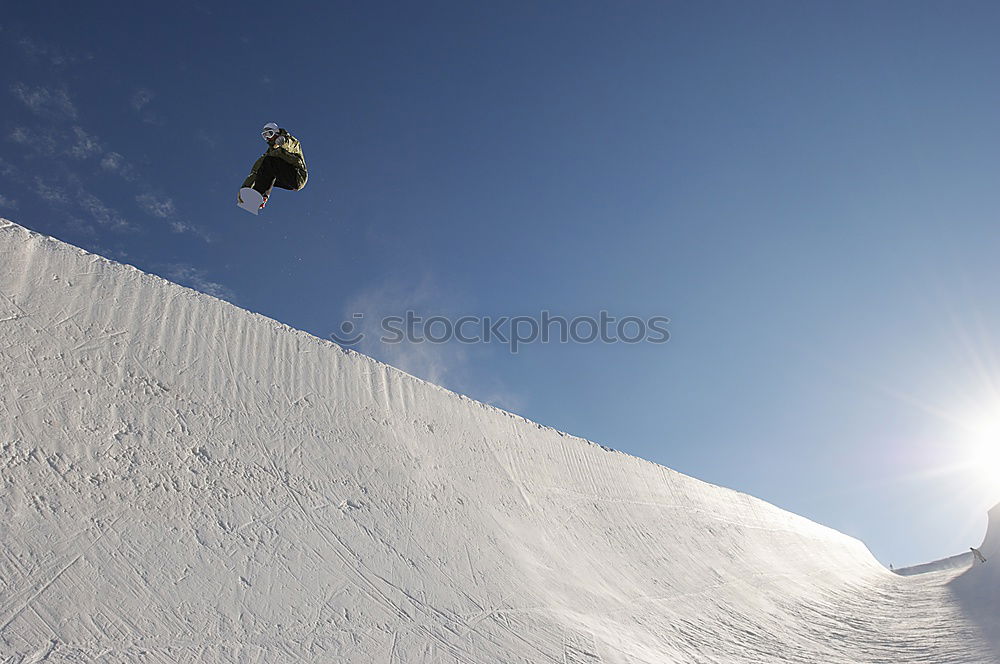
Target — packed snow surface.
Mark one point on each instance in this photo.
(185, 481)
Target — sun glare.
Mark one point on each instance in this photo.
(983, 447)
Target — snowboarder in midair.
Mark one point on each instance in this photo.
(978, 555)
(282, 165)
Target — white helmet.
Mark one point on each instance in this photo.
(270, 130)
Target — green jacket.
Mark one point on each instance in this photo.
(287, 148)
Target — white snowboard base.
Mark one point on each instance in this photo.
(250, 199)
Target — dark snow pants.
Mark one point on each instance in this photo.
(275, 172)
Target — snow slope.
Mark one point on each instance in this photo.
(978, 588)
(185, 481)
(959, 561)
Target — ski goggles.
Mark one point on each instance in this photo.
(269, 133)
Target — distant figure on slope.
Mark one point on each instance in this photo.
(282, 166)
(978, 554)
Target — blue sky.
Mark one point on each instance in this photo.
(808, 190)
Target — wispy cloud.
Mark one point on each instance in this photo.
(101, 213)
(82, 145)
(179, 226)
(113, 162)
(196, 278)
(140, 101)
(75, 142)
(49, 141)
(35, 142)
(46, 101)
(81, 227)
(8, 203)
(141, 98)
(50, 193)
(42, 52)
(162, 207)
(85, 144)
(75, 197)
(55, 156)
(158, 207)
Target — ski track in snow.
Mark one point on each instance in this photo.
(184, 481)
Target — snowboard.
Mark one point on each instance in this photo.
(249, 199)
